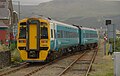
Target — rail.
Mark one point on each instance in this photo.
(78, 59)
(14, 70)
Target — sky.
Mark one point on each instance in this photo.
(31, 2)
(112, 0)
(36, 2)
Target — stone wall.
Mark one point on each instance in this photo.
(5, 58)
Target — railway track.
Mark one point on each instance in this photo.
(46, 65)
(9, 71)
(81, 61)
(24, 66)
(71, 58)
(52, 69)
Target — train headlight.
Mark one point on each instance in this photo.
(44, 41)
(22, 41)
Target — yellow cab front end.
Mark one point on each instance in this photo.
(33, 40)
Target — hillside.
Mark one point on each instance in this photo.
(94, 22)
(82, 12)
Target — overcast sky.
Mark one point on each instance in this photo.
(31, 2)
(36, 2)
(112, 0)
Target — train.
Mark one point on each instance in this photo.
(44, 39)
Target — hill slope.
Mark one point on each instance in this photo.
(82, 12)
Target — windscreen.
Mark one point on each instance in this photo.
(22, 33)
(44, 33)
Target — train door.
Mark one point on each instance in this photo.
(53, 35)
(33, 38)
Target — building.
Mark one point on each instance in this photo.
(7, 20)
(3, 32)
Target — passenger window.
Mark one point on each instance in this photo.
(58, 34)
(84, 35)
(61, 32)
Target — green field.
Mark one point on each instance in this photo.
(103, 65)
(117, 44)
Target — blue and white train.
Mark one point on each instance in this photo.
(41, 39)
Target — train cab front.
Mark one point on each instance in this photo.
(33, 39)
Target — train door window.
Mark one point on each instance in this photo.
(44, 33)
(54, 34)
(51, 33)
(22, 33)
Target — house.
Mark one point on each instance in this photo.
(7, 20)
(3, 32)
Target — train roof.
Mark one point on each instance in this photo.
(84, 28)
(64, 24)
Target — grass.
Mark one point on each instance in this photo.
(15, 56)
(3, 48)
(103, 65)
(117, 44)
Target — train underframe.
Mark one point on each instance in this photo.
(70, 50)
(52, 54)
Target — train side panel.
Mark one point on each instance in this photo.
(88, 36)
(65, 37)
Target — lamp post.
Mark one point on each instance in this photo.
(18, 2)
(12, 22)
(111, 31)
